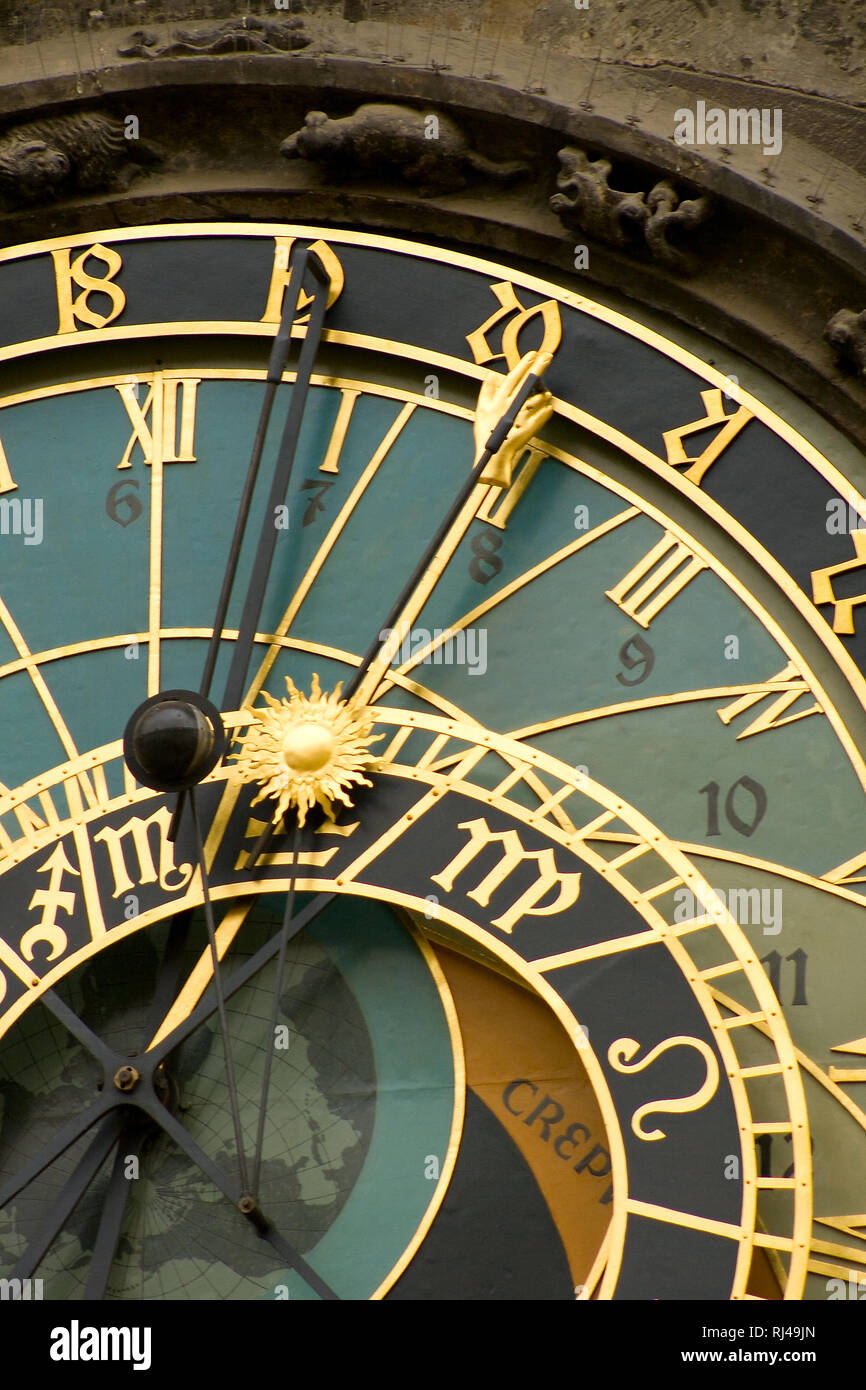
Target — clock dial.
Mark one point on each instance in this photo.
(618, 782)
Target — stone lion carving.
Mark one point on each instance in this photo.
(41, 160)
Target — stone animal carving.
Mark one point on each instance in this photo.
(41, 160)
(245, 35)
(846, 334)
(586, 202)
(427, 151)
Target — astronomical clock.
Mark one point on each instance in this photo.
(432, 781)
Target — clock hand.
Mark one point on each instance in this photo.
(175, 1005)
(250, 1208)
(508, 414)
(200, 1010)
(70, 1195)
(280, 484)
(285, 934)
(58, 1144)
(276, 367)
(111, 1217)
(221, 1006)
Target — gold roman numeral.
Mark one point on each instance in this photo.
(348, 397)
(789, 685)
(157, 419)
(655, 580)
(500, 503)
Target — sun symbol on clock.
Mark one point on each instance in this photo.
(306, 751)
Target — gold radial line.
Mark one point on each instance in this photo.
(415, 812)
(230, 634)
(680, 697)
(803, 1060)
(89, 885)
(202, 973)
(598, 949)
(684, 1218)
(508, 589)
(327, 546)
(31, 665)
(598, 1266)
(154, 598)
(696, 851)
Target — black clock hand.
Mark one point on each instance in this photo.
(220, 998)
(57, 1144)
(205, 1008)
(276, 367)
(282, 474)
(275, 1002)
(111, 1218)
(526, 382)
(230, 1189)
(70, 1195)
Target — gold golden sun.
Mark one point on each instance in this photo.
(306, 751)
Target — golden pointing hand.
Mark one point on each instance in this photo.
(496, 394)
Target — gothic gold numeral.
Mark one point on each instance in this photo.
(281, 274)
(854, 1225)
(68, 274)
(516, 317)
(500, 503)
(157, 418)
(822, 586)
(730, 428)
(769, 718)
(650, 585)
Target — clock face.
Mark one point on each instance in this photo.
(573, 972)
